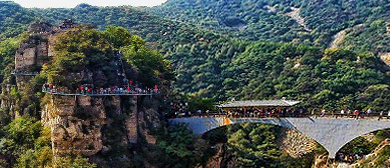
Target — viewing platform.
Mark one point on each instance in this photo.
(25, 73)
(98, 94)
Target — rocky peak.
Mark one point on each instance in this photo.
(40, 27)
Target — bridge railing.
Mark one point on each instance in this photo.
(97, 93)
(375, 115)
(25, 73)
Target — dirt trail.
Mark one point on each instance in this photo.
(339, 37)
(295, 15)
(385, 57)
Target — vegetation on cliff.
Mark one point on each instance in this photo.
(24, 142)
(87, 50)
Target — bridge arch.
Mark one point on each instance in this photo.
(358, 137)
(331, 133)
(211, 135)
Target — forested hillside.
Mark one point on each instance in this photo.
(272, 19)
(13, 19)
(254, 49)
(220, 50)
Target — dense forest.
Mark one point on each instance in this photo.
(270, 19)
(211, 57)
(219, 50)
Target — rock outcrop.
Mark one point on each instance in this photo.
(77, 122)
(34, 52)
(91, 126)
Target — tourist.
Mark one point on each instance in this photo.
(51, 86)
(388, 115)
(356, 114)
(128, 89)
(313, 113)
(369, 112)
(155, 89)
(380, 115)
(323, 112)
(44, 87)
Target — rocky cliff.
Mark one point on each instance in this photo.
(81, 124)
(34, 52)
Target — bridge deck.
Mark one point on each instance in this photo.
(24, 74)
(113, 94)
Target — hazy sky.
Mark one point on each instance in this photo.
(73, 3)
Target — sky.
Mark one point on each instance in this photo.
(73, 3)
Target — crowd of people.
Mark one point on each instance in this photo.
(266, 112)
(180, 110)
(90, 89)
(356, 114)
(25, 73)
(349, 158)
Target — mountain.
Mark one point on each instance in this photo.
(330, 55)
(14, 19)
(313, 22)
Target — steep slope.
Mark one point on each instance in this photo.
(325, 18)
(85, 125)
(371, 36)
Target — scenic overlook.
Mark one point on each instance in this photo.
(195, 84)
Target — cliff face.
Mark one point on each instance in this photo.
(78, 123)
(75, 123)
(94, 126)
(34, 52)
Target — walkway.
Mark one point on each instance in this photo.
(331, 133)
(25, 73)
(94, 94)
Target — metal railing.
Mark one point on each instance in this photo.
(376, 116)
(95, 93)
(25, 73)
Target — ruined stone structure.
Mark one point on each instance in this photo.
(34, 52)
(331, 133)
